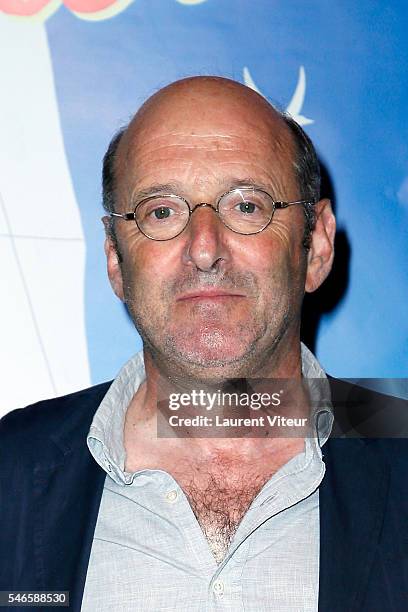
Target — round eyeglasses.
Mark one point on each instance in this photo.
(245, 210)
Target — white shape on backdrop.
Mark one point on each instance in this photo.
(42, 329)
(295, 105)
(107, 13)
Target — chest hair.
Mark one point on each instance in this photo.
(220, 506)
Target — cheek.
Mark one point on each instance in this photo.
(280, 264)
(146, 267)
(264, 254)
(289, 247)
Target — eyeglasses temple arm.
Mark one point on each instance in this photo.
(279, 205)
(127, 216)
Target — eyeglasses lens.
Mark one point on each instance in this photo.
(162, 218)
(245, 211)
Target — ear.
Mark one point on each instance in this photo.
(113, 265)
(321, 252)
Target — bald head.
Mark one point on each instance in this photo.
(203, 104)
(205, 109)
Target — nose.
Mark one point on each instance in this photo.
(205, 247)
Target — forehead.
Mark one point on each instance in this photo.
(205, 139)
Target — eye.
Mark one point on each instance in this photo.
(246, 207)
(162, 212)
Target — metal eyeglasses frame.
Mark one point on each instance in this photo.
(277, 205)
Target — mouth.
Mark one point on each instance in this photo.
(209, 295)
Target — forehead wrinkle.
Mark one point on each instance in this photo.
(146, 151)
(193, 146)
(162, 142)
(227, 130)
(270, 178)
(195, 135)
(277, 139)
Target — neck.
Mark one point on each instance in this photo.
(170, 390)
(281, 360)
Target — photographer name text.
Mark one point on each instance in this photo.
(219, 421)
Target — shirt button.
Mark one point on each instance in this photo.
(171, 497)
(218, 588)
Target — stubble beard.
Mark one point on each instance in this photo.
(174, 350)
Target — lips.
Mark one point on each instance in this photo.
(208, 294)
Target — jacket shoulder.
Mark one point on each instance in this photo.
(362, 412)
(27, 428)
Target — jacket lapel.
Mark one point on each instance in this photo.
(67, 503)
(353, 495)
(68, 486)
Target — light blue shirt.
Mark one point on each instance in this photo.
(149, 553)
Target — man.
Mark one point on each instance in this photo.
(215, 230)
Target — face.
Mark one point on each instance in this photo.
(211, 302)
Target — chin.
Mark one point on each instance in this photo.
(209, 349)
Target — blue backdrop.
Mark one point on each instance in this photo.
(354, 56)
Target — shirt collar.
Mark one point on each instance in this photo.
(105, 436)
(320, 395)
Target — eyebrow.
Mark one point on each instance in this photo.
(177, 189)
(155, 189)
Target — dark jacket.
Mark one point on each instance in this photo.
(51, 488)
